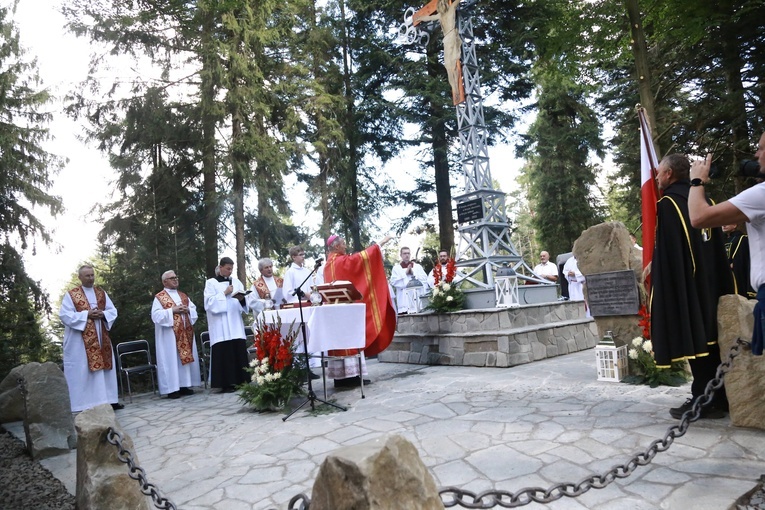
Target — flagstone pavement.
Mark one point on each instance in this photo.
(475, 428)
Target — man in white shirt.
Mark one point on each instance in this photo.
(546, 269)
(297, 274)
(746, 207)
(89, 366)
(174, 315)
(401, 275)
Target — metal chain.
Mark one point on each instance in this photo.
(453, 496)
(299, 502)
(137, 472)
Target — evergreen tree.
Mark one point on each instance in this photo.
(24, 183)
(561, 140)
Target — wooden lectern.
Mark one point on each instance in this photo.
(339, 291)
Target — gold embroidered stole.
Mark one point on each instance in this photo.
(99, 354)
(184, 331)
(262, 288)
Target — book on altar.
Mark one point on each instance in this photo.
(339, 291)
(299, 304)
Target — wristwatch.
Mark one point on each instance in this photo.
(697, 182)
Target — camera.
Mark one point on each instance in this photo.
(750, 168)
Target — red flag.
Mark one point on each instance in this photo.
(648, 188)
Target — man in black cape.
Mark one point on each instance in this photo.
(689, 273)
(737, 248)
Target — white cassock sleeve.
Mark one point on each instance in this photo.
(398, 277)
(224, 313)
(419, 273)
(110, 312)
(70, 317)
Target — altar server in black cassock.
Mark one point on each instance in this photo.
(689, 272)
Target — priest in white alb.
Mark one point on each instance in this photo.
(174, 315)
(268, 286)
(401, 275)
(224, 304)
(575, 279)
(89, 366)
(299, 274)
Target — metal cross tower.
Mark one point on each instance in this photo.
(484, 231)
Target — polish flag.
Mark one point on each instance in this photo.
(648, 189)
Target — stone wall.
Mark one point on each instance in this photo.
(492, 337)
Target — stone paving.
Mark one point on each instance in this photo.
(475, 428)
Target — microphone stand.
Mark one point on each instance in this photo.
(311, 397)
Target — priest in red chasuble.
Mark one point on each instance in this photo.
(365, 270)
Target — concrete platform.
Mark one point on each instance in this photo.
(492, 337)
(537, 424)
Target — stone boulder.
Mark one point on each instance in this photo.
(385, 473)
(745, 383)
(49, 415)
(604, 248)
(102, 480)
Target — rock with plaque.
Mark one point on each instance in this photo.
(612, 293)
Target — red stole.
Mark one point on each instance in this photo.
(365, 270)
(99, 354)
(262, 288)
(184, 332)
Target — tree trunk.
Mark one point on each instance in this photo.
(732, 64)
(440, 148)
(353, 219)
(207, 101)
(239, 160)
(642, 68)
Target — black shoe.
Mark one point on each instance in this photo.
(186, 391)
(314, 375)
(118, 406)
(710, 411)
(348, 382)
(175, 394)
(351, 382)
(228, 389)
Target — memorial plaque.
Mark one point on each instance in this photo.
(470, 210)
(612, 293)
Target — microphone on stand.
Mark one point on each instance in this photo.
(318, 263)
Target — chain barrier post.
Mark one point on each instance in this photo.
(136, 472)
